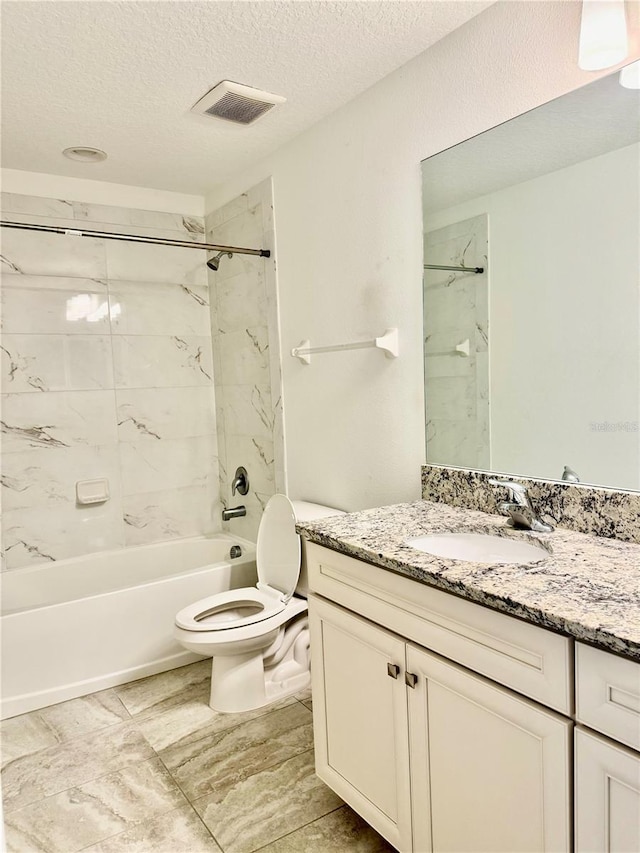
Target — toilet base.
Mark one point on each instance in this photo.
(252, 680)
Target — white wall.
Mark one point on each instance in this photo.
(564, 320)
(349, 241)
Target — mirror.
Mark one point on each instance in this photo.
(532, 341)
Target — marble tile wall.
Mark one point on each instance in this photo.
(248, 382)
(107, 371)
(456, 309)
(586, 509)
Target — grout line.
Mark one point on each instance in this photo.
(133, 826)
(293, 831)
(64, 743)
(246, 778)
(87, 782)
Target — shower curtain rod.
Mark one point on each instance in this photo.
(135, 238)
(476, 270)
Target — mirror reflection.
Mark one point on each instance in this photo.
(532, 293)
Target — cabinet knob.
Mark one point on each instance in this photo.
(411, 679)
(393, 670)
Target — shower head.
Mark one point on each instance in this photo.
(214, 263)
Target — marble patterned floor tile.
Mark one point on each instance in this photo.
(166, 690)
(304, 695)
(245, 816)
(89, 813)
(179, 831)
(56, 724)
(193, 719)
(50, 771)
(341, 831)
(234, 754)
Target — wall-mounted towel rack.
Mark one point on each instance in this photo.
(463, 349)
(476, 270)
(387, 342)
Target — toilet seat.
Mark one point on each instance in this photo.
(278, 564)
(214, 642)
(224, 611)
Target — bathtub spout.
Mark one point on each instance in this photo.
(233, 512)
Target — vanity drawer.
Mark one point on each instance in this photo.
(530, 660)
(608, 694)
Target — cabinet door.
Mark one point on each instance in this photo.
(360, 718)
(494, 767)
(607, 796)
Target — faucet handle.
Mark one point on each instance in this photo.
(240, 481)
(517, 492)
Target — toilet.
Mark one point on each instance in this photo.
(258, 637)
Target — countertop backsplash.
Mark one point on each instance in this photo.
(585, 509)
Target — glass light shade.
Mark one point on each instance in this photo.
(603, 34)
(630, 76)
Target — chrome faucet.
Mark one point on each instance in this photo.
(519, 508)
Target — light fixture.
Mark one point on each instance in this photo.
(84, 154)
(603, 34)
(630, 76)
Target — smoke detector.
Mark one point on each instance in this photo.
(237, 103)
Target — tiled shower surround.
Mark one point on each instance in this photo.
(106, 372)
(247, 364)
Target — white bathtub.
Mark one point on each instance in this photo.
(75, 626)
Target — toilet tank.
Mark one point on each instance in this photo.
(306, 511)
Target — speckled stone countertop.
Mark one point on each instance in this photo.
(588, 587)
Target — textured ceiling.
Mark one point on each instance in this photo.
(122, 76)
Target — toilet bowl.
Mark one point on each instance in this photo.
(258, 637)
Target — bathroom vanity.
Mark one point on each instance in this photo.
(462, 706)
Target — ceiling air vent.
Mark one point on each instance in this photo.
(237, 103)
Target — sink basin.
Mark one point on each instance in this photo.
(478, 548)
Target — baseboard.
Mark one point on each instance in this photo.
(14, 705)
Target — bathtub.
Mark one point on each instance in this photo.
(76, 626)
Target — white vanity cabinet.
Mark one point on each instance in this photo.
(607, 774)
(433, 756)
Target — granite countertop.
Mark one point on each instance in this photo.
(588, 587)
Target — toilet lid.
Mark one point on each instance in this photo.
(278, 547)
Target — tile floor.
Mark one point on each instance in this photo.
(149, 767)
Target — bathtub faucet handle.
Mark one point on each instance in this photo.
(240, 481)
